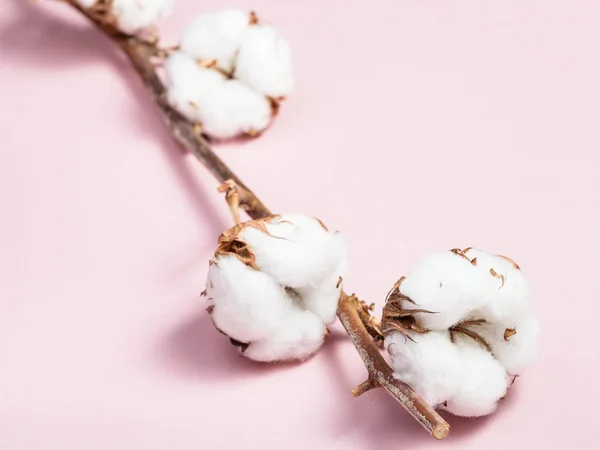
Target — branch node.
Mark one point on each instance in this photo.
(363, 387)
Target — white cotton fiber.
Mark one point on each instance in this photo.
(300, 335)
(508, 296)
(255, 303)
(447, 284)
(430, 364)
(247, 304)
(264, 62)
(188, 83)
(216, 35)
(323, 298)
(135, 15)
(299, 252)
(483, 382)
(224, 107)
(514, 351)
(231, 108)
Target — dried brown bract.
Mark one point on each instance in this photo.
(230, 242)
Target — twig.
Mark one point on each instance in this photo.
(237, 197)
(353, 314)
(380, 373)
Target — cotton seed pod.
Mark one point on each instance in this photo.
(459, 329)
(264, 62)
(274, 284)
(254, 62)
(129, 16)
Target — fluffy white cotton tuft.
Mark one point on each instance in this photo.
(508, 294)
(246, 304)
(300, 335)
(264, 62)
(320, 298)
(430, 364)
(255, 304)
(483, 382)
(444, 283)
(135, 15)
(484, 330)
(299, 252)
(224, 107)
(231, 108)
(514, 347)
(188, 82)
(216, 35)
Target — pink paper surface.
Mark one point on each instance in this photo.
(416, 126)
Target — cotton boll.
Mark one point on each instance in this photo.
(430, 364)
(508, 296)
(264, 62)
(298, 251)
(489, 298)
(216, 35)
(135, 15)
(187, 82)
(444, 283)
(300, 335)
(252, 305)
(247, 304)
(482, 381)
(515, 347)
(231, 108)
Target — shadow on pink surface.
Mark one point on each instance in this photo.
(194, 348)
(48, 39)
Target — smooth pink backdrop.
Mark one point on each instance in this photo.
(416, 125)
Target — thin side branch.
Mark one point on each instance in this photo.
(363, 329)
(237, 197)
(363, 387)
(381, 374)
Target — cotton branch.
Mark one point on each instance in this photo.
(353, 314)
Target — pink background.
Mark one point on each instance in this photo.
(416, 125)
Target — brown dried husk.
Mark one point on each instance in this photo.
(396, 318)
(231, 244)
(102, 12)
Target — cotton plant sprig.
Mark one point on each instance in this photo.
(276, 281)
(145, 56)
